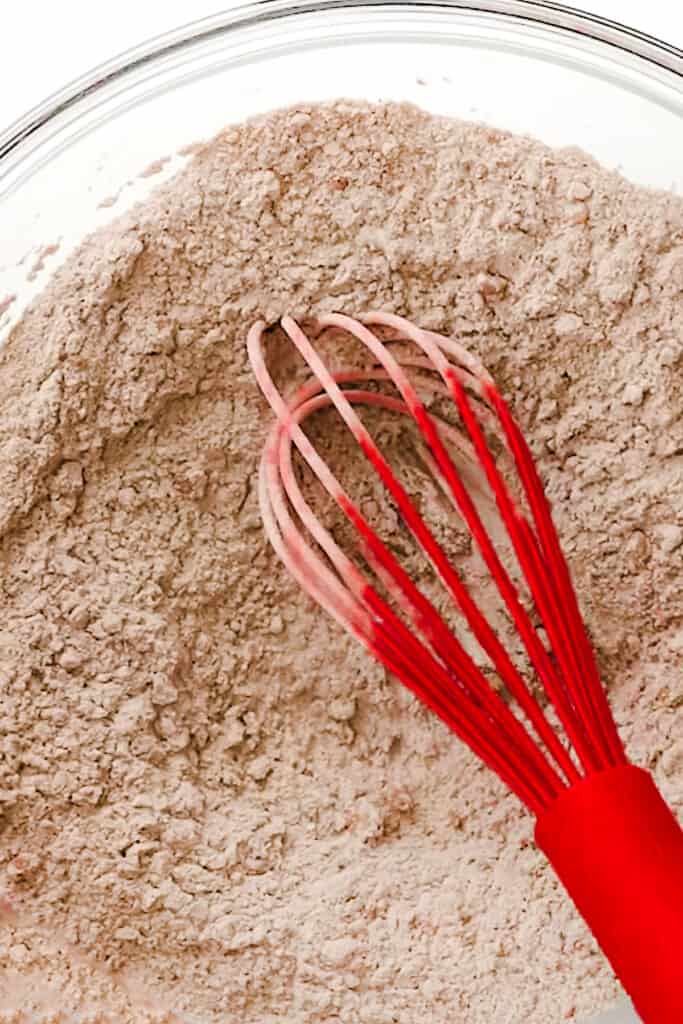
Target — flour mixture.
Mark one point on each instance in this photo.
(213, 806)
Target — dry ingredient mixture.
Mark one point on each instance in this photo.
(213, 806)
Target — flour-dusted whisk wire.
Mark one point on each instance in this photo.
(602, 822)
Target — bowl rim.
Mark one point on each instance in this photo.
(243, 15)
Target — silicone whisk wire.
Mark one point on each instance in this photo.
(506, 726)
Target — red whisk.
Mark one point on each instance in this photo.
(601, 821)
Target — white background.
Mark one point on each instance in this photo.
(45, 45)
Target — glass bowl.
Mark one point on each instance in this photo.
(539, 68)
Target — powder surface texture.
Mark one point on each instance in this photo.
(213, 806)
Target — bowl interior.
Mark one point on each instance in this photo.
(95, 154)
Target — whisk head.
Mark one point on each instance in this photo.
(505, 724)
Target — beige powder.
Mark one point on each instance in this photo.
(213, 806)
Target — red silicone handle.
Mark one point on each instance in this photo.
(618, 850)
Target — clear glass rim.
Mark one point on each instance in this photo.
(553, 15)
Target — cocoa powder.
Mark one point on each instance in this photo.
(213, 806)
